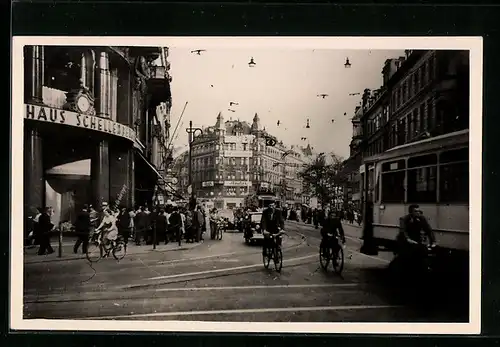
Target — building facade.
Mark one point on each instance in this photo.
(231, 160)
(88, 134)
(424, 94)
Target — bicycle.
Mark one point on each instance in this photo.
(273, 252)
(219, 229)
(98, 246)
(331, 249)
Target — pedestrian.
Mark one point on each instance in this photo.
(82, 229)
(125, 223)
(161, 226)
(45, 228)
(175, 222)
(140, 223)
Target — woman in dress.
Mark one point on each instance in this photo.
(108, 225)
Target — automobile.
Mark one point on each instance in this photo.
(253, 231)
(228, 216)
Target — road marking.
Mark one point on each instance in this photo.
(284, 286)
(251, 310)
(224, 270)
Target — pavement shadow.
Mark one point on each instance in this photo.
(441, 297)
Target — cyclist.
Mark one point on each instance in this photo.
(272, 222)
(108, 223)
(332, 225)
(410, 236)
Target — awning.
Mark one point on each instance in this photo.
(150, 165)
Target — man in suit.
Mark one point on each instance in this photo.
(82, 228)
(45, 227)
(272, 222)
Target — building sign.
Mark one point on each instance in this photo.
(237, 183)
(207, 184)
(57, 116)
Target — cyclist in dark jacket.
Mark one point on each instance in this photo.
(332, 225)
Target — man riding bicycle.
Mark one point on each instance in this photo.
(413, 224)
(332, 225)
(272, 222)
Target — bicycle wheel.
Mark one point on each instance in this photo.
(324, 256)
(338, 261)
(219, 234)
(120, 250)
(278, 259)
(266, 257)
(94, 251)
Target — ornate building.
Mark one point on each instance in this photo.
(231, 160)
(89, 127)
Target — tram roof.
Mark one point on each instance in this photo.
(429, 144)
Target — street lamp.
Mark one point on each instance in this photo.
(251, 63)
(191, 136)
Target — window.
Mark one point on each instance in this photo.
(392, 180)
(393, 189)
(422, 185)
(454, 176)
(416, 82)
(431, 67)
(411, 125)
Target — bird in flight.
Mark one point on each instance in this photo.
(303, 138)
(345, 113)
(278, 123)
(211, 85)
(231, 110)
(198, 51)
(352, 94)
(333, 120)
(322, 95)
(233, 103)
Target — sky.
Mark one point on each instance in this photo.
(283, 86)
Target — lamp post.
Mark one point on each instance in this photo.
(191, 136)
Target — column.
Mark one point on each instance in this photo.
(34, 184)
(99, 172)
(120, 161)
(102, 87)
(34, 65)
(87, 69)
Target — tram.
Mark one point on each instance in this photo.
(432, 173)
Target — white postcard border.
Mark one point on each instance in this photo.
(474, 44)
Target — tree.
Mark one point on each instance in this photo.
(324, 178)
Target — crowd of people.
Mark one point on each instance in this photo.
(142, 225)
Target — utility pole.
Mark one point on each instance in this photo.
(191, 136)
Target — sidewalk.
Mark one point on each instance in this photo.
(31, 256)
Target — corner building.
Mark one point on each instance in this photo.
(88, 126)
(230, 160)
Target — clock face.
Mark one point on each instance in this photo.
(175, 180)
(83, 103)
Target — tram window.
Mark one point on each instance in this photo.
(422, 160)
(393, 188)
(454, 182)
(422, 185)
(455, 155)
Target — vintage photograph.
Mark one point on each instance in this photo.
(223, 182)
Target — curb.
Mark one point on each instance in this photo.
(54, 260)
